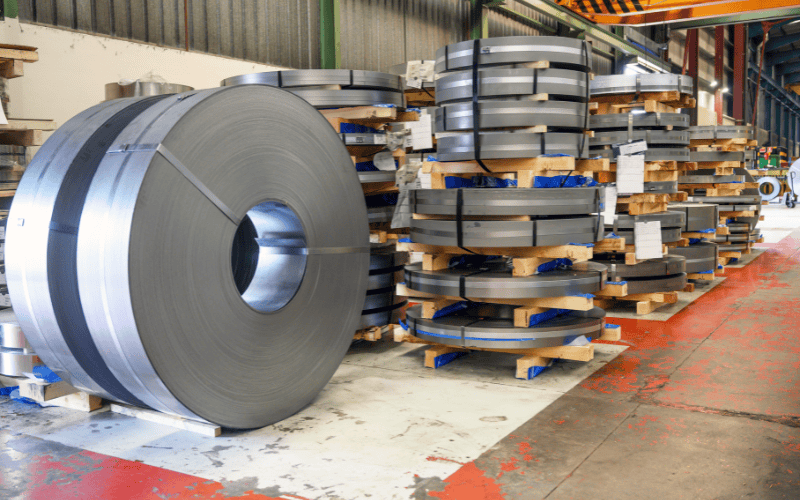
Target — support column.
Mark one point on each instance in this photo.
(330, 43)
(739, 63)
(479, 20)
(693, 46)
(719, 70)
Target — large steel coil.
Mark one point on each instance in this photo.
(619, 271)
(559, 84)
(699, 216)
(634, 84)
(652, 154)
(492, 326)
(720, 132)
(188, 253)
(769, 188)
(506, 113)
(656, 137)
(700, 257)
(623, 121)
(506, 145)
(16, 355)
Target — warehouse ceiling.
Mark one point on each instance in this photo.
(782, 50)
(681, 13)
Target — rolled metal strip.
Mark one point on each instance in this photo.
(732, 247)
(710, 179)
(350, 98)
(700, 257)
(652, 154)
(508, 234)
(502, 113)
(351, 79)
(382, 267)
(769, 188)
(11, 336)
(363, 139)
(753, 221)
(721, 132)
(559, 84)
(492, 326)
(559, 51)
(661, 187)
(738, 227)
(619, 271)
(621, 121)
(719, 155)
(377, 176)
(380, 214)
(116, 90)
(726, 200)
(157, 319)
(668, 219)
(381, 316)
(732, 238)
(667, 137)
(659, 284)
(633, 84)
(668, 234)
(731, 207)
(495, 281)
(699, 216)
(486, 202)
(40, 252)
(503, 145)
(16, 356)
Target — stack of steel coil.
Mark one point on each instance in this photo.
(490, 97)
(341, 88)
(701, 255)
(202, 254)
(672, 224)
(652, 276)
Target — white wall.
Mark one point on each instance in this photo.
(73, 69)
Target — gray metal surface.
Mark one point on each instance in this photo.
(383, 264)
(568, 52)
(700, 257)
(535, 202)
(380, 214)
(699, 216)
(619, 271)
(725, 200)
(363, 139)
(17, 362)
(732, 238)
(609, 137)
(719, 155)
(721, 132)
(667, 219)
(504, 113)
(632, 84)
(494, 280)
(377, 176)
(652, 154)
(639, 121)
(492, 326)
(659, 284)
(11, 336)
(505, 234)
(732, 247)
(352, 79)
(136, 88)
(150, 308)
(774, 189)
(560, 84)
(502, 145)
(661, 187)
(738, 227)
(710, 179)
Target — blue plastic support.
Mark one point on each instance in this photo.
(620, 283)
(695, 241)
(443, 359)
(451, 309)
(384, 105)
(46, 374)
(563, 181)
(453, 182)
(553, 265)
(547, 315)
(405, 240)
(589, 245)
(612, 236)
(534, 371)
(355, 128)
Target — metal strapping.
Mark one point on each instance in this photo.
(476, 112)
(534, 233)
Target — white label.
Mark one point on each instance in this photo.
(384, 161)
(422, 132)
(3, 120)
(610, 205)
(418, 72)
(402, 211)
(647, 238)
(486, 50)
(633, 147)
(630, 174)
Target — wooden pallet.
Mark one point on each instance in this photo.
(651, 102)
(525, 169)
(683, 242)
(575, 253)
(374, 333)
(684, 166)
(701, 276)
(532, 361)
(19, 132)
(649, 176)
(679, 197)
(60, 394)
(645, 302)
(13, 57)
(723, 143)
(420, 98)
(369, 116)
(642, 208)
(720, 167)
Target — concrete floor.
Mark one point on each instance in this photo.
(705, 404)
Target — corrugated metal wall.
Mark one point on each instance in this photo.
(283, 32)
(375, 34)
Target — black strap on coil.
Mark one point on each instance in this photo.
(476, 112)
(351, 80)
(444, 117)
(534, 232)
(585, 53)
(460, 220)
(280, 79)
(462, 283)
(535, 81)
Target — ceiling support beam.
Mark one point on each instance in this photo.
(719, 69)
(775, 43)
(692, 66)
(739, 63)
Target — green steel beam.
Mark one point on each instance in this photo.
(575, 21)
(742, 17)
(10, 8)
(533, 23)
(330, 43)
(479, 21)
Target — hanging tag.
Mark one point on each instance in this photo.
(630, 174)
(647, 238)
(610, 205)
(384, 161)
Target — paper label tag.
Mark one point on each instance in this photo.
(422, 132)
(384, 161)
(610, 205)
(630, 148)
(3, 120)
(647, 238)
(630, 174)
(418, 72)
(486, 50)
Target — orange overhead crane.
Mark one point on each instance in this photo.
(645, 12)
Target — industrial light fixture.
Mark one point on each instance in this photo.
(638, 64)
(713, 84)
(724, 90)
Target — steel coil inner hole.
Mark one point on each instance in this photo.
(268, 258)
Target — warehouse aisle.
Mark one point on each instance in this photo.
(706, 404)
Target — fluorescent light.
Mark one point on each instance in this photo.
(714, 84)
(637, 111)
(726, 89)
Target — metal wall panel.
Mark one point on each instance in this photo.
(281, 32)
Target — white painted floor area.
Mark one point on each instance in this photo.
(779, 221)
(383, 424)
(665, 312)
